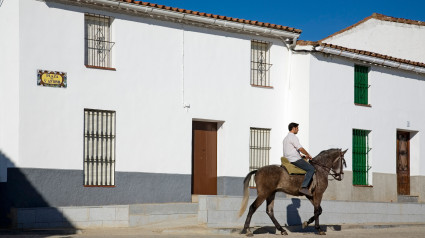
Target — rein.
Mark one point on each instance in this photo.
(336, 176)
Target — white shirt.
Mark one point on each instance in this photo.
(291, 145)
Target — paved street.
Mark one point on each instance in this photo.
(260, 232)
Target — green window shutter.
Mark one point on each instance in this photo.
(361, 84)
(360, 157)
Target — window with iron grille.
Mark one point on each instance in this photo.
(360, 157)
(259, 149)
(361, 84)
(260, 63)
(98, 42)
(99, 147)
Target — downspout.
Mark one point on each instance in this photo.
(290, 47)
(185, 106)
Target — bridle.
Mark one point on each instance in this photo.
(338, 176)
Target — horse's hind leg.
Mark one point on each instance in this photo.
(269, 211)
(252, 209)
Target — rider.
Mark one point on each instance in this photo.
(291, 150)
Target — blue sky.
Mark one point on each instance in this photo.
(317, 19)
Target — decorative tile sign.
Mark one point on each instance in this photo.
(51, 78)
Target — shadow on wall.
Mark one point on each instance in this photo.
(292, 215)
(18, 198)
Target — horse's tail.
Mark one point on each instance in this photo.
(246, 192)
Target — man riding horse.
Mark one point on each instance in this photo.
(291, 150)
(272, 178)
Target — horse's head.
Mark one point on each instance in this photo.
(338, 165)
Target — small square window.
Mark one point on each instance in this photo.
(260, 63)
(98, 42)
(361, 85)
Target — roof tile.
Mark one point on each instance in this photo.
(379, 17)
(362, 52)
(268, 25)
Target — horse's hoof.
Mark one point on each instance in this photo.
(322, 233)
(284, 233)
(248, 232)
(305, 224)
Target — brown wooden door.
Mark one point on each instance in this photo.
(403, 163)
(204, 158)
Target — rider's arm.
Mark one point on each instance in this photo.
(302, 150)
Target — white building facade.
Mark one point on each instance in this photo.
(148, 101)
(333, 119)
(75, 132)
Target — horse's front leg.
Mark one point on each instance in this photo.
(315, 200)
(317, 212)
(306, 223)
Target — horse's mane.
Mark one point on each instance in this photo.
(323, 155)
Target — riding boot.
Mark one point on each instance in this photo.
(305, 191)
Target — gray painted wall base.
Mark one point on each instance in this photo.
(222, 211)
(217, 211)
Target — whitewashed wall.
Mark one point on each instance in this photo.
(395, 97)
(9, 86)
(160, 67)
(389, 38)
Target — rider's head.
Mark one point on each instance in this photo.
(293, 127)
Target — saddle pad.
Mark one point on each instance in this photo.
(292, 169)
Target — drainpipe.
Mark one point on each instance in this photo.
(290, 47)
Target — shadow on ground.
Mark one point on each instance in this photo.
(17, 196)
(293, 229)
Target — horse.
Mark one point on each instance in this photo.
(273, 178)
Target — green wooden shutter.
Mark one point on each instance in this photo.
(361, 84)
(360, 157)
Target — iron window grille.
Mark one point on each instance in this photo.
(260, 63)
(361, 84)
(99, 147)
(98, 43)
(361, 157)
(259, 149)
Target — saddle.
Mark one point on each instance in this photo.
(292, 169)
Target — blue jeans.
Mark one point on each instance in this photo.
(302, 164)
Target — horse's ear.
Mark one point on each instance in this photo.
(343, 152)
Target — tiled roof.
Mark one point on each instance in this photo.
(361, 52)
(232, 19)
(379, 17)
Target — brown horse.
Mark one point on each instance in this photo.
(272, 178)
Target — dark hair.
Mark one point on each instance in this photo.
(292, 125)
